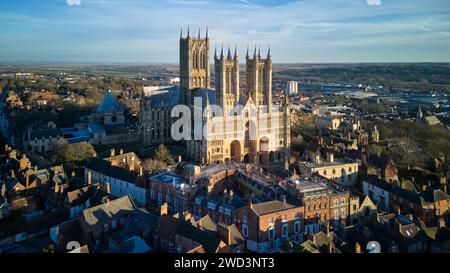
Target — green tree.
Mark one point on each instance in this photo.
(75, 152)
(162, 154)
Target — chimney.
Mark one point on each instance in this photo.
(89, 178)
(13, 154)
(113, 152)
(131, 166)
(141, 171)
(199, 224)
(27, 180)
(330, 157)
(187, 216)
(230, 199)
(224, 233)
(357, 248)
(250, 203)
(108, 188)
(164, 209)
(445, 188)
(56, 188)
(121, 151)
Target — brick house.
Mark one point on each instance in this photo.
(266, 225)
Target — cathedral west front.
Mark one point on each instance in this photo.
(237, 125)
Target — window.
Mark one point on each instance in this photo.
(271, 233)
(336, 214)
(284, 230)
(168, 198)
(114, 224)
(211, 205)
(105, 227)
(342, 201)
(245, 230)
(335, 202)
(152, 194)
(159, 197)
(285, 218)
(343, 213)
(297, 227)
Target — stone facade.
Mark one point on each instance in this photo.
(247, 128)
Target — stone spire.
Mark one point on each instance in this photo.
(235, 51)
(254, 53)
(215, 52)
(221, 53)
(207, 33)
(229, 53)
(181, 33)
(198, 33)
(188, 35)
(246, 55)
(269, 53)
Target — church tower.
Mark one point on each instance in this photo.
(194, 65)
(259, 78)
(227, 79)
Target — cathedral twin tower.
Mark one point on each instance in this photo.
(195, 73)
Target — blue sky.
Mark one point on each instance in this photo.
(305, 31)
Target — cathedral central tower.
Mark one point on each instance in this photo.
(194, 65)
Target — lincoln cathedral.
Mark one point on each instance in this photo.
(240, 124)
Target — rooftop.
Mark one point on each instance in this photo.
(109, 104)
(112, 209)
(270, 207)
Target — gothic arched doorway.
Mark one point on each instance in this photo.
(235, 151)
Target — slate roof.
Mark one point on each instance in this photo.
(378, 182)
(378, 161)
(168, 97)
(45, 133)
(109, 104)
(167, 227)
(114, 209)
(134, 244)
(270, 207)
(432, 195)
(104, 166)
(80, 196)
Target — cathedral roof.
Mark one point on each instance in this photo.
(165, 98)
(109, 104)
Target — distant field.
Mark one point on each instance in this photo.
(429, 76)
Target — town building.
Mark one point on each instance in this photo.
(116, 180)
(291, 88)
(343, 171)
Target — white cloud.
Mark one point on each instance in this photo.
(73, 2)
(374, 2)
